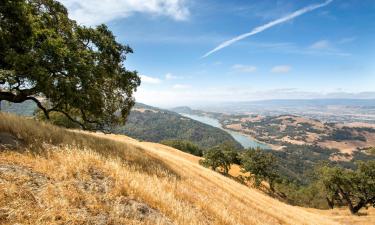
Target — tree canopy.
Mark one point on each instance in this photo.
(261, 165)
(355, 188)
(185, 146)
(221, 156)
(63, 67)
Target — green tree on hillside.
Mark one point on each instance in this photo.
(63, 67)
(355, 188)
(221, 156)
(185, 146)
(262, 166)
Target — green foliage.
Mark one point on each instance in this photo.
(345, 133)
(371, 150)
(312, 195)
(57, 119)
(63, 67)
(262, 166)
(155, 125)
(355, 188)
(185, 146)
(220, 157)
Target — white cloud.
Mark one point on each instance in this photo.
(244, 68)
(170, 76)
(281, 69)
(181, 86)
(150, 80)
(323, 44)
(94, 12)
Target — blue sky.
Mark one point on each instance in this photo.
(328, 52)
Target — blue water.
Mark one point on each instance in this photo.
(245, 141)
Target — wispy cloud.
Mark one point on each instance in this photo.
(281, 69)
(324, 47)
(93, 12)
(244, 68)
(268, 25)
(150, 80)
(322, 44)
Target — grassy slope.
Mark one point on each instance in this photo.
(152, 124)
(74, 177)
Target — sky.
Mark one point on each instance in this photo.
(194, 52)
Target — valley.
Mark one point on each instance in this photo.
(299, 143)
(245, 140)
(187, 112)
(125, 181)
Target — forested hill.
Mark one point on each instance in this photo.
(149, 123)
(153, 124)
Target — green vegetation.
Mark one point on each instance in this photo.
(326, 185)
(155, 125)
(262, 166)
(63, 67)
(345, 133)
(296, 160)
(220, 157)
(145, 123)
(354, 188)
(185, 146)
(371, 150)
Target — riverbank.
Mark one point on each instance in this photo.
(272, 146)
(245, 140)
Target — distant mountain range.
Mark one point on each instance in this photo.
(330, 110)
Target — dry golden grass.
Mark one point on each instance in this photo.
(66, 177)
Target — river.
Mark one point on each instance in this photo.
(244, 140)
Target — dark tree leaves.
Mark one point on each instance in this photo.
(66, 68)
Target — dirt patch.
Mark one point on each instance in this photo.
(133, 209)
(9, 141)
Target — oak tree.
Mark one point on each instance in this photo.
(62, 66)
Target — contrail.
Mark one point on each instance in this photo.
(268, 25)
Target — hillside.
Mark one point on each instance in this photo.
(300, 143)
(154, 124)
(50, 175)
(149, 123)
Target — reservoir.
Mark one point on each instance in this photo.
(244, 140)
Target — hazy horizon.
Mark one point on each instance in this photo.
(203, 52)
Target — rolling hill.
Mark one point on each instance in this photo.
(154, 124)
(50, 175)
(149, 123)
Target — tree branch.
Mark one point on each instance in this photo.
(70, 118)
(39, 104)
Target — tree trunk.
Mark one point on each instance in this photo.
(356, 208)
(353, 209)
(330, 203)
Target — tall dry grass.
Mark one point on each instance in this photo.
(37, 137)
(84, 178)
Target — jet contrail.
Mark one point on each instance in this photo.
(268, 25)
